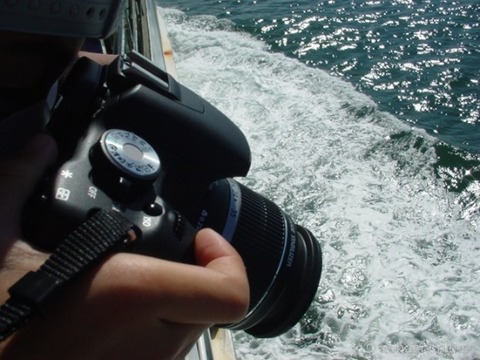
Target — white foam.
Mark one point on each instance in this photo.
(401, 274)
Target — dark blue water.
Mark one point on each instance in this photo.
(419, 60)
(364, 123)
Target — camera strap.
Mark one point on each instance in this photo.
(85, 246)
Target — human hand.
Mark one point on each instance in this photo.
(129, 306)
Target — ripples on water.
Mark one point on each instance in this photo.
(418, 59)
(399, 232)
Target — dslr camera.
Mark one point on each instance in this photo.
(133, 139)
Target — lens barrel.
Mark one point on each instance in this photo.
(283, 260)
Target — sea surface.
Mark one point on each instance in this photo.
(363, 119)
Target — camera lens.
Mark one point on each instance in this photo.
(283, 260)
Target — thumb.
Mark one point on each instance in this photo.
(19, 175)
(215, 253)
(211, 249)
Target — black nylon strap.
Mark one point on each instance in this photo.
(86, 245)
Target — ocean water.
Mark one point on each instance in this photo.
(363, 118)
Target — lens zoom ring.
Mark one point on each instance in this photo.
(260, 226)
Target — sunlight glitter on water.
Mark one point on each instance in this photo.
(400, 276)
(413, 43)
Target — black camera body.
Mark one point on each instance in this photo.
(152, 114)
(134, 140)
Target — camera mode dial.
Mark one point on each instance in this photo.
(131, 154)
(124, 164)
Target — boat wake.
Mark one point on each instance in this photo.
(396, 211)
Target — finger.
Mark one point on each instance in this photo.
(19, 175)
(130, 295)
(222, 290)
(211, 249)
(216, 254)
(214, 293)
